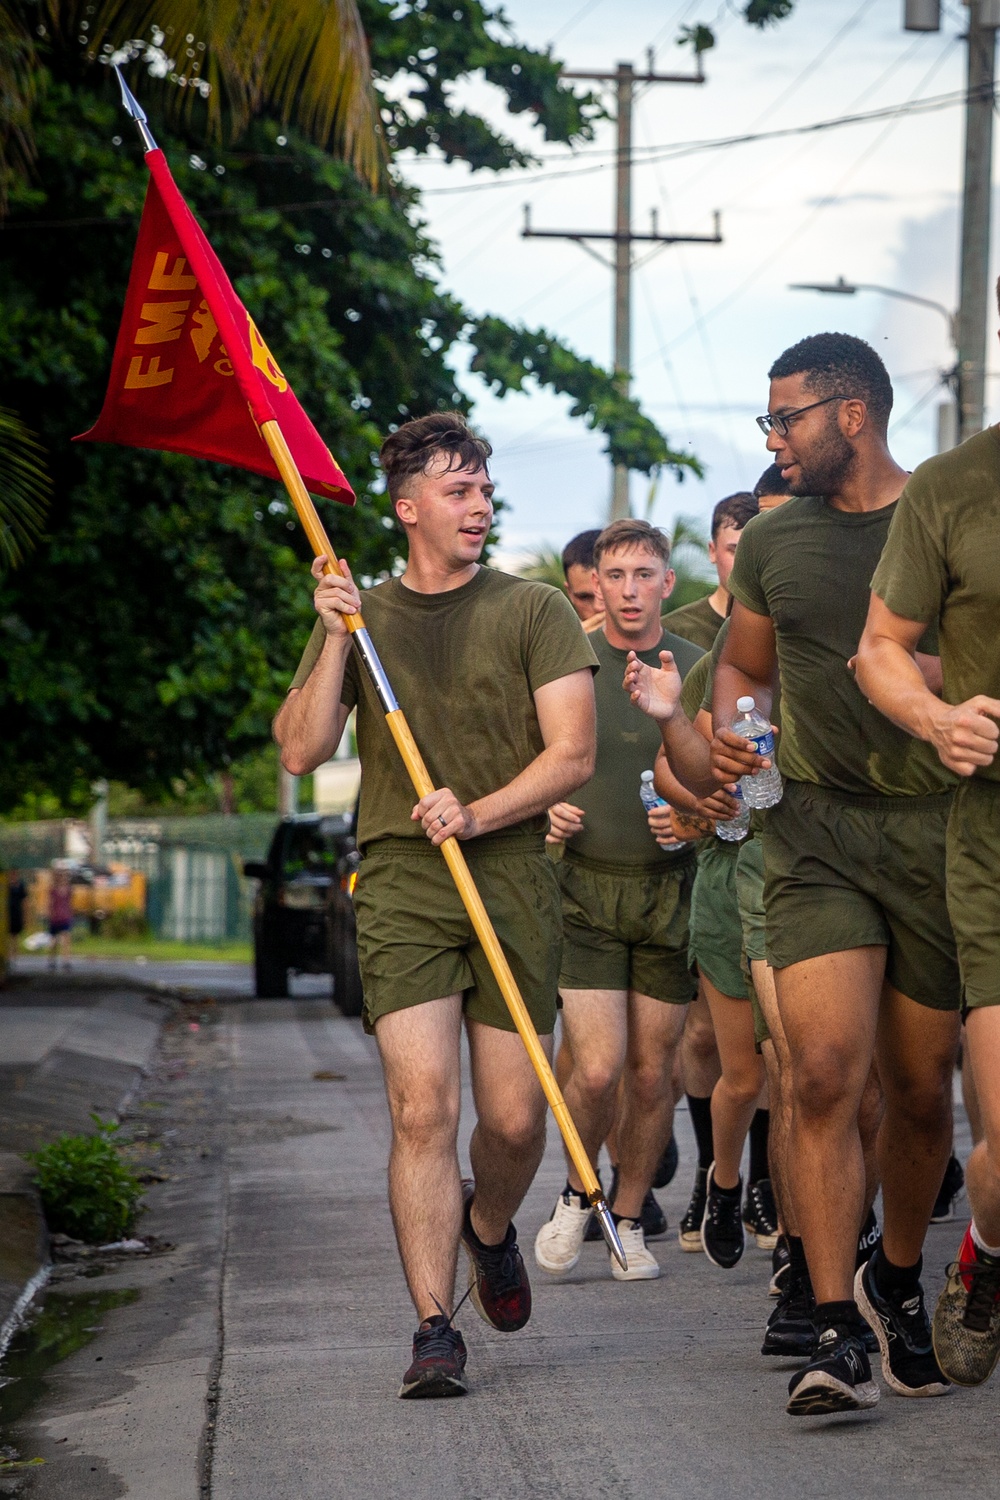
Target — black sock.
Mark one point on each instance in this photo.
(582, 1198)
(836, 1315)
(796, 1254)
(867, 1239)
(890, 1278)
(700, 1111)
(733, 1192)
(759, 1127)
(620, 1218)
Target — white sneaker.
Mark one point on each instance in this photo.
(558, 1242)
(642, 1263)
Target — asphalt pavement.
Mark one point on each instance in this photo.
(262, 1356)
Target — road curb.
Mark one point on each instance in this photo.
(24, 1244)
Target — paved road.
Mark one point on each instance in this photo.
(198, 976)
(284, 1299)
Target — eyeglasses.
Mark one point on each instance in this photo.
(780, 424)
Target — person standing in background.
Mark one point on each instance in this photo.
(581, 586)
(60, 917)
(701, 621)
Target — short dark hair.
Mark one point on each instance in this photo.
(631, 533)
(839, 364)
(772, 482)
(735, 510)
(579, 550)
(408, 451)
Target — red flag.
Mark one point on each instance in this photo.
(191, 373)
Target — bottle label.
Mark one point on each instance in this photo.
(764, 744)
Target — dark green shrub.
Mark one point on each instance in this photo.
(126, 922)
(87, 1190)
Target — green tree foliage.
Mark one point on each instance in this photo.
(24, 489)
(152, 636)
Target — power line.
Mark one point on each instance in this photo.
(892, 112)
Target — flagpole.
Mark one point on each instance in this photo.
(455, 859)
(273, 436)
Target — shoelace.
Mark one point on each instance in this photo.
(438, 1340)
(501, 1261)
(761, 1210)
(983, 1292)
(724, 1212)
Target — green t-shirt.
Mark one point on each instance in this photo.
(809, 566)
(697, 622)
(615, 830)
(464, 666)
(697, 684)
(942, 563)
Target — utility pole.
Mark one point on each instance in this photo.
(624, 79)
(974, 265)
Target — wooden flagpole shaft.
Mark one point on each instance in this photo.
(471, 899)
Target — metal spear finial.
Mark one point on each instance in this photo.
(135, 109)
(610, 1232)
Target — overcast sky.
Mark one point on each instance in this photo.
(874, 202)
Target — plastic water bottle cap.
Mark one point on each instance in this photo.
(646, 776)
(746, 705)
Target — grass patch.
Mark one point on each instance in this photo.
(160, 949)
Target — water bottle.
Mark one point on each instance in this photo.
(764, 789)
(650, 798)
(737, 827)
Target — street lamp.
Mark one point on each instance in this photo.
(948, 411)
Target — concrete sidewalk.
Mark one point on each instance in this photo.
(262, 1359)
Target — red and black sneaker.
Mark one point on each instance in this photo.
(498, 1281)
(438, 1367)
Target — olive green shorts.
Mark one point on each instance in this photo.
(416, 942)
(974, 888)
(716, 935)
(846, 872)
(627, 929)
(750, 898)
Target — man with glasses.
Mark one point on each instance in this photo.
(856, 924)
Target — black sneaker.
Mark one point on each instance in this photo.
(781, 1261)
(689, 1232)
(791, 1328)
(903, 1330)
(666, 1167)
(652, 1218)
(438, 1367)
(760, 1217)
(498, 1282)
(951, 1187)
(838, 1377)
(722, 1226)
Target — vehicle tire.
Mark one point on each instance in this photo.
(347, 992)
(270, 973)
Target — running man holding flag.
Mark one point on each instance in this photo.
(497, 676)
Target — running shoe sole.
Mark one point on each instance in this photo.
(878, 1328)
(762, 1241)
(690, 1240)
(819, 1394)
(434, 1385)
(777, 1283)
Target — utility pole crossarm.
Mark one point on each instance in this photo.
(649, 77)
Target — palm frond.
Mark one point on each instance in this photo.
(24, 489)
(543, 565)
(18, 91)
(307, 59)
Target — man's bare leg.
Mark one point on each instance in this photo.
(420, 1055)
(916, 1050)
(737, 1093)
(982, 1040)
(509, 1138)
(595, 1022)
(779, 1078)
(655, 1028)
(829, 1008)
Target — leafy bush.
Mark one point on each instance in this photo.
(126, 922)
(87, 1190)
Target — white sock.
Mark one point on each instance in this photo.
(980, 1243)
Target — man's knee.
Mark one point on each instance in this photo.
(647, 1081)
(424, 1117)
(519, 1130)
(824, 1083)
(596, 1078)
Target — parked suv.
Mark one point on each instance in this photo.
(303, 916)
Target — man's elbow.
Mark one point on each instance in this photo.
(579, 764)
(865, 665)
